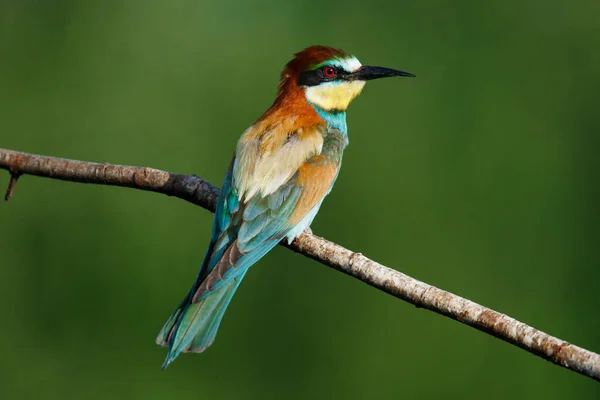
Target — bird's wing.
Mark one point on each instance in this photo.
(264, 196)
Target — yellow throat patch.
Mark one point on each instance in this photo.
(334, 95)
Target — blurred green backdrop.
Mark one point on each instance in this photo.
(489, 159)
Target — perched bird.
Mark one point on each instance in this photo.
(282, 169)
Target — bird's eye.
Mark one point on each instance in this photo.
(329, 72)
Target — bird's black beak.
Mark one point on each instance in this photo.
(369, 73)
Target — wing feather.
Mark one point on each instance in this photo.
(263, 209)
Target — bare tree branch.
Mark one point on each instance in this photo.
(202, 193)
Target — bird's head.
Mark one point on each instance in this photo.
(330, 78)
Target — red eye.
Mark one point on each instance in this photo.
(329, 72)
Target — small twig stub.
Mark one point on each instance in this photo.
(14, 177)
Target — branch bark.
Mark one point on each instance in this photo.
(200, 192)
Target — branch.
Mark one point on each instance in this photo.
(202, 193)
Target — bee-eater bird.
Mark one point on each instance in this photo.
(282, 169)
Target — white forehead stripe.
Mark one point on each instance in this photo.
(348, 64)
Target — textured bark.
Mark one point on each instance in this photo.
(202, 193)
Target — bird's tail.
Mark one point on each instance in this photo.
(193, 326)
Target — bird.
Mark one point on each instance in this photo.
(281, 170)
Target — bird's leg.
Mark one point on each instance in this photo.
(308, 231)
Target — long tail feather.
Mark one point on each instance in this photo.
(206, 336)
(193, 326)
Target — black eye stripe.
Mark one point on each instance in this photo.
(310, 78)
(317, 76)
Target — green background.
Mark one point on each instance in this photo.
(481, 177)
